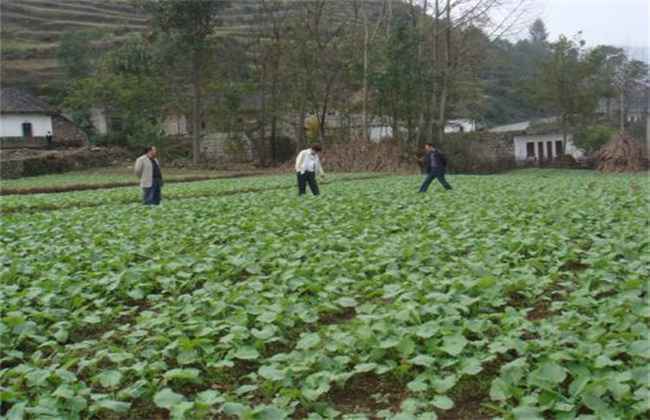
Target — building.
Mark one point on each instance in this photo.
(539, 141)
(460, 126)
(25, 120)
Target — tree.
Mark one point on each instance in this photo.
(618, 78)
(77, 54)
(537, 31)
(188, 25)
(566, 85)
(128, 85)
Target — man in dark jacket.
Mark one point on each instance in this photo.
(435, 166)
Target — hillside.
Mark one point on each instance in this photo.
(32, 30)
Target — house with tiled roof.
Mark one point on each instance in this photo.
(27, 121)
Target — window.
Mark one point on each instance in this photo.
(27, 130)
(540, 150)
(558, 148)
(530, 149)
(549, 149)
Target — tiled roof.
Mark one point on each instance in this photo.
(20, 102)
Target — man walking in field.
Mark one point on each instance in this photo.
(147, 168)
(436, 165)
(307, 168)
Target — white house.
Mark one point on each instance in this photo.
(539, 145)
(460, 126)
(544, 147)
(25, 120)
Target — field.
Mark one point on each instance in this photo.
(519, 296)
(108, 176)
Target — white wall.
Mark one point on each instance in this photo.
(11, 125)
(378, 133)
(521, 142)
(454, 126)
(175, 125)
(99, 121)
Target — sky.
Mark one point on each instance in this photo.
(613, 22)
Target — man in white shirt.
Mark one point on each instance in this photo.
(307, 168)
(147, 168)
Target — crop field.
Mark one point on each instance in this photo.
(519, 296)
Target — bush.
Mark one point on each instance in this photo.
(592, 138)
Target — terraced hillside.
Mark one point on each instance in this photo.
(32, 29)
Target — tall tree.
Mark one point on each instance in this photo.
(189, 25)
(538, 32)
(567, 84)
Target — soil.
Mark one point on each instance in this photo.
(337, 317)
(357, 394)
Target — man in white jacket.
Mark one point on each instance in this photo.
(307, 168)
(147, 168)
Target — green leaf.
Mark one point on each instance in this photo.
(110, 378)
(209, 397)
(365, 367)
(551, 372)
(471, 366)
(167, 398)
(308, 341)
(235, 409)
(186, 374)
(346, 302)
(499, 390)
(443, 402)
(246, 353)
(271, 374)
(178, 411)
(640, 348)
(527, 413)
(112, 405)
(269, 413)
(443, 385)
(417, 385)
(454, 345)
(422, 360)
(16, 412)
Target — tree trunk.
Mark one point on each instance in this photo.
(442, 111)
(366, 41)
(196, 107)
(622, 112)
(262, 142)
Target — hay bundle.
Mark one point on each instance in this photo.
(621, 154)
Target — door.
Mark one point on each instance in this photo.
(530, 150)
(540, 151)
(549, 150)
(27, 130)
(558, 148)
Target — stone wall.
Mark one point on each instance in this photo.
(11, 169)
(227, 148)
(66, 133)
(60, 161)
(22, 142)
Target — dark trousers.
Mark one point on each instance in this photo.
(307, 178)
(439, 175)
(152, 195)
